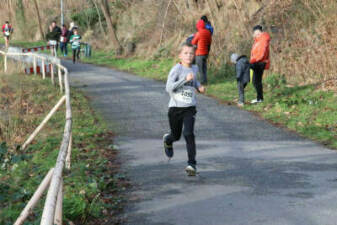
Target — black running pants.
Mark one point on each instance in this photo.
(182, 121)
(258, 69)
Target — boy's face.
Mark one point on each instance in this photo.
(75, 32)
(256, 33)
(187, 55)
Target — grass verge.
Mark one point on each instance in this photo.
(305, 109)
(92, 186)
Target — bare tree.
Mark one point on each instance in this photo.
(99, 16)
(38, 17)
(111, 26)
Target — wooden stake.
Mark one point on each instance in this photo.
(52, 73)
(34, 65)
(43, 70)
(68, 159)
(60, 79)
(36, 197)
(43, 123)
(59, 202)
(5, 63)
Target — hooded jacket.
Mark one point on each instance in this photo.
(260, 50)
(203, 39)
(242, 69)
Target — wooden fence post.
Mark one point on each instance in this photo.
(36, 197)
(43, 70)
(34, 65)
(59, 202)
(60, 79)
(52, 73)
(5, 63)
(43, 123)
(68, 160)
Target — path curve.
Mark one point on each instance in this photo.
(250, 171)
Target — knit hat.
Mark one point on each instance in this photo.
(234, 57)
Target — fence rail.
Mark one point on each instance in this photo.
(52, 212)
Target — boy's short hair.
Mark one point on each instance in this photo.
(6, 22)
(257, 27)
(186, 44)
(204, 18)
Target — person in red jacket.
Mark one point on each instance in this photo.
(7, 31)
(203, 40)
(259, 59)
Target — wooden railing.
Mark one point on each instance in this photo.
(52, 212)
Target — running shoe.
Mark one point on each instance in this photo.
(256, 101)
(168, 148)
(191, 170)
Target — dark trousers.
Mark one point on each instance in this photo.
(180, 118)
(64, 48)
(76, 54)
(241, 88)
(201, 61)
(258, 69)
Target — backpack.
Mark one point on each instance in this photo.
(209, 27)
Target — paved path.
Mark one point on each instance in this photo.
(250, 172)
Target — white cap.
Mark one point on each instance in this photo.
(234, 57)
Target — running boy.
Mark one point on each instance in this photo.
(75, 41)
(182, 85)
(7, 31)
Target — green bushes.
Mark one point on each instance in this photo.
(86, 18)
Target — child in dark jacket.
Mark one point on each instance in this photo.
(242, 70)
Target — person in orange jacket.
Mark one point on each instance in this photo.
(259, 59)
(203, 40)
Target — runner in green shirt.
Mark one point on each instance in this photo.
(75, 41)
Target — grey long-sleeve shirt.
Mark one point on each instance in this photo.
(182, 93)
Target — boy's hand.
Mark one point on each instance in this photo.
(189, 77)
(202, 89)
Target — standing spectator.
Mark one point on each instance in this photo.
(75, 41)
(64, 40)
(7, 30)
(259, 59)
(203, 40)
(208, 24)
(242, 70)
(53, 36)
(71, 29)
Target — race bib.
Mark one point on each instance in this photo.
(7, 33)
(62, 39)
(185, 94)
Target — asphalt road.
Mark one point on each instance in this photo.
(250, 172)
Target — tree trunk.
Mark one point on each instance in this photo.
(20, 14)
(112, 31)
(99, 17)
(38, 17)
(9, 5)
